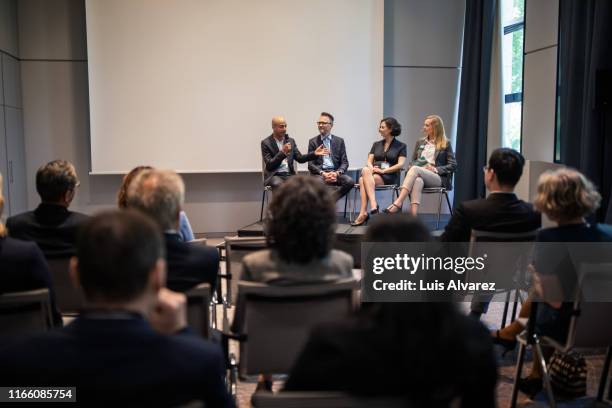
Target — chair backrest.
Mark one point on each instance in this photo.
(69, 298)
(591, 311)
(321, 399)
(490, 236)
(237, 248)
(277, 320)
(198, 309)
(25, 312)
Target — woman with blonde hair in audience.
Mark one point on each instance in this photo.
(567, 197)
(426, 354)
(23, 266)
(185, 231)
(433, 164)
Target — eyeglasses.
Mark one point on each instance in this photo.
(323, 123)
(485, 168)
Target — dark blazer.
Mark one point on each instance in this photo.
(273, 157)
(338, 155)
(501, 212)
(53, 227)
(119, 361)
(190, 265)
(355, 357)
(445, 162)
(23, 267)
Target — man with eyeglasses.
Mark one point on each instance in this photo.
(332, 167)
(51, 225)
(279, 152)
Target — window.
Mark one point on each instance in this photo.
(513, 20)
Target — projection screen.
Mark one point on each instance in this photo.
(193, 84)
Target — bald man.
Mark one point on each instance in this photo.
(279, 151)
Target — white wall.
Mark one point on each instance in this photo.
(422, 65)
(540, 79)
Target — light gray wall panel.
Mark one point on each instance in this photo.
(542, 22)
(11, 79)
(52, 29)
(8, 27)
(539, 105)
(424, 33)
(16, 157)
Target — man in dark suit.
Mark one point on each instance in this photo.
(330, 168)
(279, 152)
(51, 225)
(131, 346)
(501, 211)
(161, 195)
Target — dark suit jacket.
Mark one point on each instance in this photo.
(499, 212)
(190, 265)
(445, 162)
(273, 157)
(119, 361)
(53, 227)
(338, 155)
(23, 267)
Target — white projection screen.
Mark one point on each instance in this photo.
(193, 84)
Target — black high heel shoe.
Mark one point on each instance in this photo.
(507, 344)
(375, 210)
(363, 222)
(388, 209)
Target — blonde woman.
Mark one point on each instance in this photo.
(433, 164)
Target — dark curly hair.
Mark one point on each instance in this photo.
(301, 220)
(394, 125)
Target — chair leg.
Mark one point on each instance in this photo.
(345, 203)
(505, 314)
(450, 208)
(515, 305)
(517, 374)
(545, 375)
(352, 216)
(604, 375)
(439, 210)
(263, 198)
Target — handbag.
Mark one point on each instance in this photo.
(568, 374)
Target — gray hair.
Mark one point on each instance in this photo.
(159, 194)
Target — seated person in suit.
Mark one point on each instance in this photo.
(566, 197)
(160, 194)
(185, 231)
(332, 167)
(433, 164)
(23, 266)
(131, 347)
(51, 225)
(427, 353)
(279, 151)
(300, 231)
(501, 211)
(385, 161)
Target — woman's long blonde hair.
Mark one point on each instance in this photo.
(2, 227)
(439, 134)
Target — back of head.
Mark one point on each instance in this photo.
(302, 220)
(566, 194)
(507, 165)
(125, 183)
(398, 228)
(160, 194)
(55, 179)
(2, 227)
(116, 252)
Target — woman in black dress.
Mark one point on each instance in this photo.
(385, 161)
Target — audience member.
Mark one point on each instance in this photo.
(131, 347)
(501, 211)
(23, 266)
(160, 194)
(567, 197)
(427, 353)
(331, 169)
(433, 164)
(185, 231)
(300, 231)
(51, 225)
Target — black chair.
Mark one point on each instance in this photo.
(441, 191)
(199, 310)
(394, 188)
(25, 312)
(68, 297)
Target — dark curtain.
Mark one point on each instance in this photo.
(585, 60)
(474, 99)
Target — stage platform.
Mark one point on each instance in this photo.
(348, 238)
